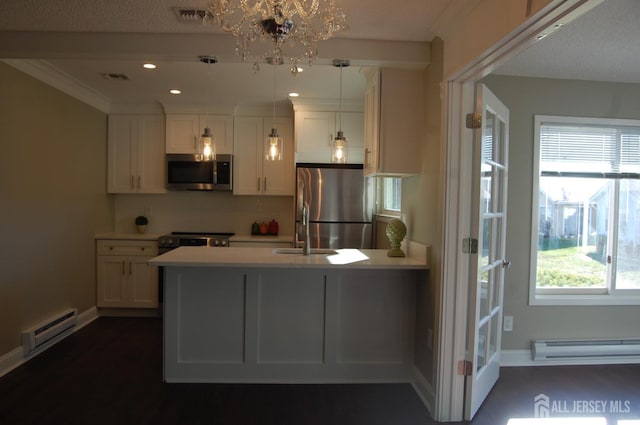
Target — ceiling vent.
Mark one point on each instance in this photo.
(115, 77)
(191, 15)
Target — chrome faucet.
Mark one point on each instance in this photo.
(306, 248)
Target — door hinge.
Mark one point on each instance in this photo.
(470, 246)
(474, 120)
(465, 368)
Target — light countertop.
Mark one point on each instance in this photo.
(188, 256)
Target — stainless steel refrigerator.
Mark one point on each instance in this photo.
(340, 202)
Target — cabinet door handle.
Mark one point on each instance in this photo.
(132, 186)
(258, 184)
(366, 157)
(265, 184)
(195, 144)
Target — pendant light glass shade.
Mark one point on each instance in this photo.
(273, 146)
(207, 145)
(339, 149)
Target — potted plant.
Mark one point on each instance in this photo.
(141, 223)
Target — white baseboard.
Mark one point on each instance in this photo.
(512, 358)
(423, 388)
(11, 360)
(16, 357)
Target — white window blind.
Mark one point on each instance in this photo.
(585, 150)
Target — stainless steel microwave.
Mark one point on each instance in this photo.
(189, 172)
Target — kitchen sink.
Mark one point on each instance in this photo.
(298, 251)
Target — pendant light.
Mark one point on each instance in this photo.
(339, 143)
(273, 143)
(207, 142)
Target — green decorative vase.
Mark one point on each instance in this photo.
(396, 231)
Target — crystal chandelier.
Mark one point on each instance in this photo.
(278, 31)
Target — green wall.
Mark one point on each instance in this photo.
(52, 201)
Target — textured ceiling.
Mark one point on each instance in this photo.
(85, 38)
(368, 19)
(601, 45)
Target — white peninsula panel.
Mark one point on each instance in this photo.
(238, 324)
(291, 316)
(211, 319)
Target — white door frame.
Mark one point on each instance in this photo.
(458, 154)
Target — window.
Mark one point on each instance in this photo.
(586, 233)
(390, 195)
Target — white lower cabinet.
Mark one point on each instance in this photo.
(124, 279)
(252, 173)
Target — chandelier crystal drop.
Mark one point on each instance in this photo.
(278, 30)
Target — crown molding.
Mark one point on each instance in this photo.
(55, 77)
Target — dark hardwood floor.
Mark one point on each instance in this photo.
(110, 372)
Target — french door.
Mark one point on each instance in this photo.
(487, 256)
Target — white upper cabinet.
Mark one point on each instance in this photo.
(184, 131)
(252, 173)
(315, 131)
(393, 121)
(136, 154)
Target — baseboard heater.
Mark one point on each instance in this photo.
(49, 331)
(581, 349)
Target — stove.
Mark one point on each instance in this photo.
(176, 239)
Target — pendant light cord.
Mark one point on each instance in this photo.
(273, 120)
(207, 92)
(340, 106)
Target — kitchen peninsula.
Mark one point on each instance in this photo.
(269, 315)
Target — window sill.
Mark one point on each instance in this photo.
(584, 300)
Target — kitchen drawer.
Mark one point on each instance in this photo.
(125, 247)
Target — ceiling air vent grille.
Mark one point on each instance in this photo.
(115, 77)
(191, 15)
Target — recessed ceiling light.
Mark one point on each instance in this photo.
(149, 66)
(294, 94)
(175, 91)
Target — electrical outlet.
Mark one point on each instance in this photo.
(507, 324)
(430, 339)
